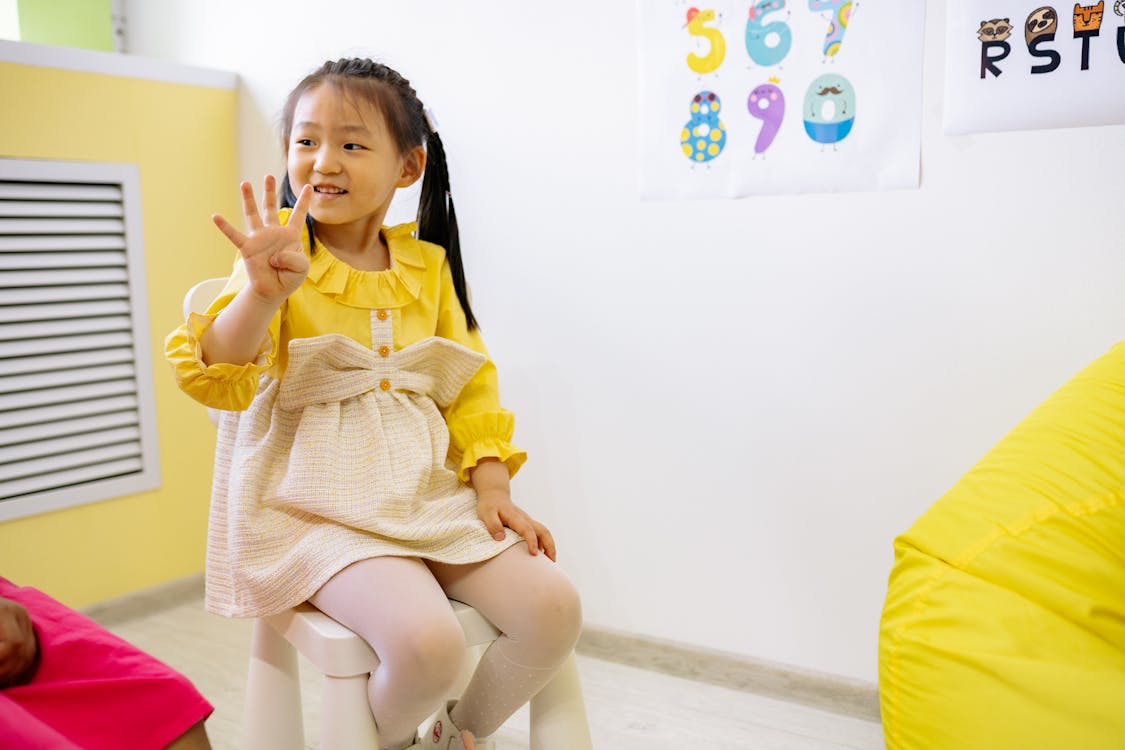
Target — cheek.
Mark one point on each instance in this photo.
(294, 166)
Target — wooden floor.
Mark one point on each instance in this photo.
(628, 708)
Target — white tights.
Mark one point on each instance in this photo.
(399, 606)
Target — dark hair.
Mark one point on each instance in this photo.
(409, 126)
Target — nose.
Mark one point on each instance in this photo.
(326, 161)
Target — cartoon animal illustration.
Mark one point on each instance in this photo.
(767, 43)
(996, 30)
(1088, 17)
(829, 109)
(710, 62)
(767, 104)
(704, 136)
(840, 15)
(1040, 22)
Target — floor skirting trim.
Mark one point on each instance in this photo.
(839, 695)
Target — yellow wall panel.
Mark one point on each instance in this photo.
(183, 139)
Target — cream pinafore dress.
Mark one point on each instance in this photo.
(343, 458)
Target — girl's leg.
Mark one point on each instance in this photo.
(536, 607)
(395, 605)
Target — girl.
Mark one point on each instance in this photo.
(363, 457)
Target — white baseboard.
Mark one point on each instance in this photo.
(827, 692)
(146, 601)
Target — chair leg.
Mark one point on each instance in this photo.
(347, 723)
(272, 715)
(558, 713)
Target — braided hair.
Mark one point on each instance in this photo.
(409, 127)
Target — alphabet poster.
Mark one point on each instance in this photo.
(753, 97)
(1021, 64)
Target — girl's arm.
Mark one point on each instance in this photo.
(478, 426)
(480, 430)
(496, 509)
(236, 334)
(275, 265)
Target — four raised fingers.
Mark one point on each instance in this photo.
(268, 216)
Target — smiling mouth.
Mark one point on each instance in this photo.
(328, 190)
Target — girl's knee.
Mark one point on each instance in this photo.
(430, 655)
(556, 609)
(570, 607)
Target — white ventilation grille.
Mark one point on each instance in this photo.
(76, 402)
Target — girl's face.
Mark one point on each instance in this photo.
(341, 146)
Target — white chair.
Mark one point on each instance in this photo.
(273, 717)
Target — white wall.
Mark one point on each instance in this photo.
(9, 20)
(732, 407)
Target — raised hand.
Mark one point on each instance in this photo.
(275, 262)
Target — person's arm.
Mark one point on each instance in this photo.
(275, 266)
(495, 507)
(18, 647)
(480, 434)
(478, 426)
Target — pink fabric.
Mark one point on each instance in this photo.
(92, 690)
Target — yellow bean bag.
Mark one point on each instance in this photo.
(1004, 623)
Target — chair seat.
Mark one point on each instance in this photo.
(336, 651)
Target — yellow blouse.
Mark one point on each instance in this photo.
(416, 292)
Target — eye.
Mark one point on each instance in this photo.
(352, 147)
(303, 141)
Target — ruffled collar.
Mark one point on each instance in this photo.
(397, 286)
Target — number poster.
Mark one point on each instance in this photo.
(1020, 64)
(779, 96)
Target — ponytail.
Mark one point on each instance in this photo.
(410, 126)
(437, 221)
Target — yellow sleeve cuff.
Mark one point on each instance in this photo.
(221, 385)
(478, 436)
